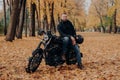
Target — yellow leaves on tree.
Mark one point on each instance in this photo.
(102, 8)
(74, 9)
(115, 4)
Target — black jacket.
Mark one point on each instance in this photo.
(65, 28)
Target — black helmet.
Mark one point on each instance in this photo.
(79, 39)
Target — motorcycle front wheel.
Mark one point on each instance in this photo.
(34, 61)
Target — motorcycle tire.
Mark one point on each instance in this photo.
(34, 61)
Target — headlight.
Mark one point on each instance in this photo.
(45, 37)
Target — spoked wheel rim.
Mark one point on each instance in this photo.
(34, 62)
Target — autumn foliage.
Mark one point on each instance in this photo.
(104, 14)
(32, 15)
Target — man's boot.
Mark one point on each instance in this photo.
(80, 66)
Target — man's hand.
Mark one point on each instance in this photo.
(73, 40)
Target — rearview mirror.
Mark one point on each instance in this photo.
(41, 32)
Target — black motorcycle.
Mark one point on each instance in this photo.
(52, 52)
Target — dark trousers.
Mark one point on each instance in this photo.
(66, 42)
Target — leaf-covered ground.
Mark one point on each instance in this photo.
(101, 60)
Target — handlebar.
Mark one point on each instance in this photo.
(42, 32)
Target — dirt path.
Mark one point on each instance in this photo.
(101, 60)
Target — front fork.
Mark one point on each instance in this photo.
(44, 49)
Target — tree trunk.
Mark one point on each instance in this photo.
(32, 26)
(26, 16)
(58, 18)
(45, 18)
(102, 25)
(5, 25)
(94, 29)
(114, 21)
(52, 21)
(39, 15)
(11, 5)
(21, 23)
(19, 18)
(45, 22)
(38, 18)
(13, 21)
(110, 28)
